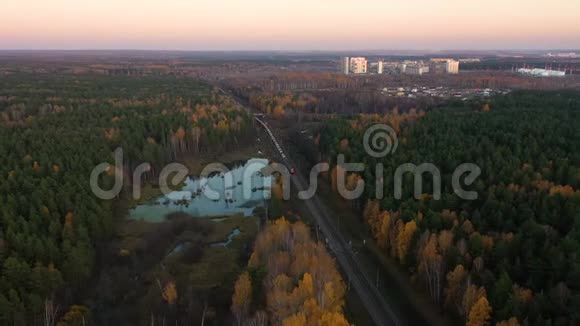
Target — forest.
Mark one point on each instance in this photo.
(507, 258)
(54, 129)
(510, 257)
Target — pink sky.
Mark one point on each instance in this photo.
(289, 25)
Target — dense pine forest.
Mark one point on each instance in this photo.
(54, 129)
(510, 256)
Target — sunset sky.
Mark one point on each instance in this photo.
(289, 25)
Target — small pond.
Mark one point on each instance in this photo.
(238, 191)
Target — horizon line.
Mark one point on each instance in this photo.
(290, 50)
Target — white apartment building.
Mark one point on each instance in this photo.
(358, 65)
(452, 67)
(416, 69)
(379, 67)
(542, 72)
(444, 65)
(402, 68)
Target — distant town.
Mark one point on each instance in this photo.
(360, 65)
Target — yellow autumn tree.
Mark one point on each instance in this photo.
(397, 227)
(333, 319)
(431, 267)
(278, 112)
(242, 297)
(371, 213)
(222, 125)
(471, 297)
(468, 227)
(453, 291)
(510, 322)
(76, 315)
(404, 239)
(277, 188)
(384, 228)
(352, 181)
(303, 285)
(523, 294)
(169, 293)
(564, 191)
(279, 302)
(180, 133)
(487, 242)
(68, 228)
(44, 211)
(445, 240)
(304, 290)
(480, 313)
(298, 319)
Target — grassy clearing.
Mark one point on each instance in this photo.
(199, 267)
(219, 266)
(246, 225)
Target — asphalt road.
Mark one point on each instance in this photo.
(377, 307)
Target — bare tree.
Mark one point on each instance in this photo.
(50, 312)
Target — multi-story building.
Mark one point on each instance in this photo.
(416, 69)
(376, 67)
(444, 66)
(402, 68)
(379, 67)
(358, 65)
(452, 67)
(344, 65)
(390, 66)
(542, 72)
(438, 67)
